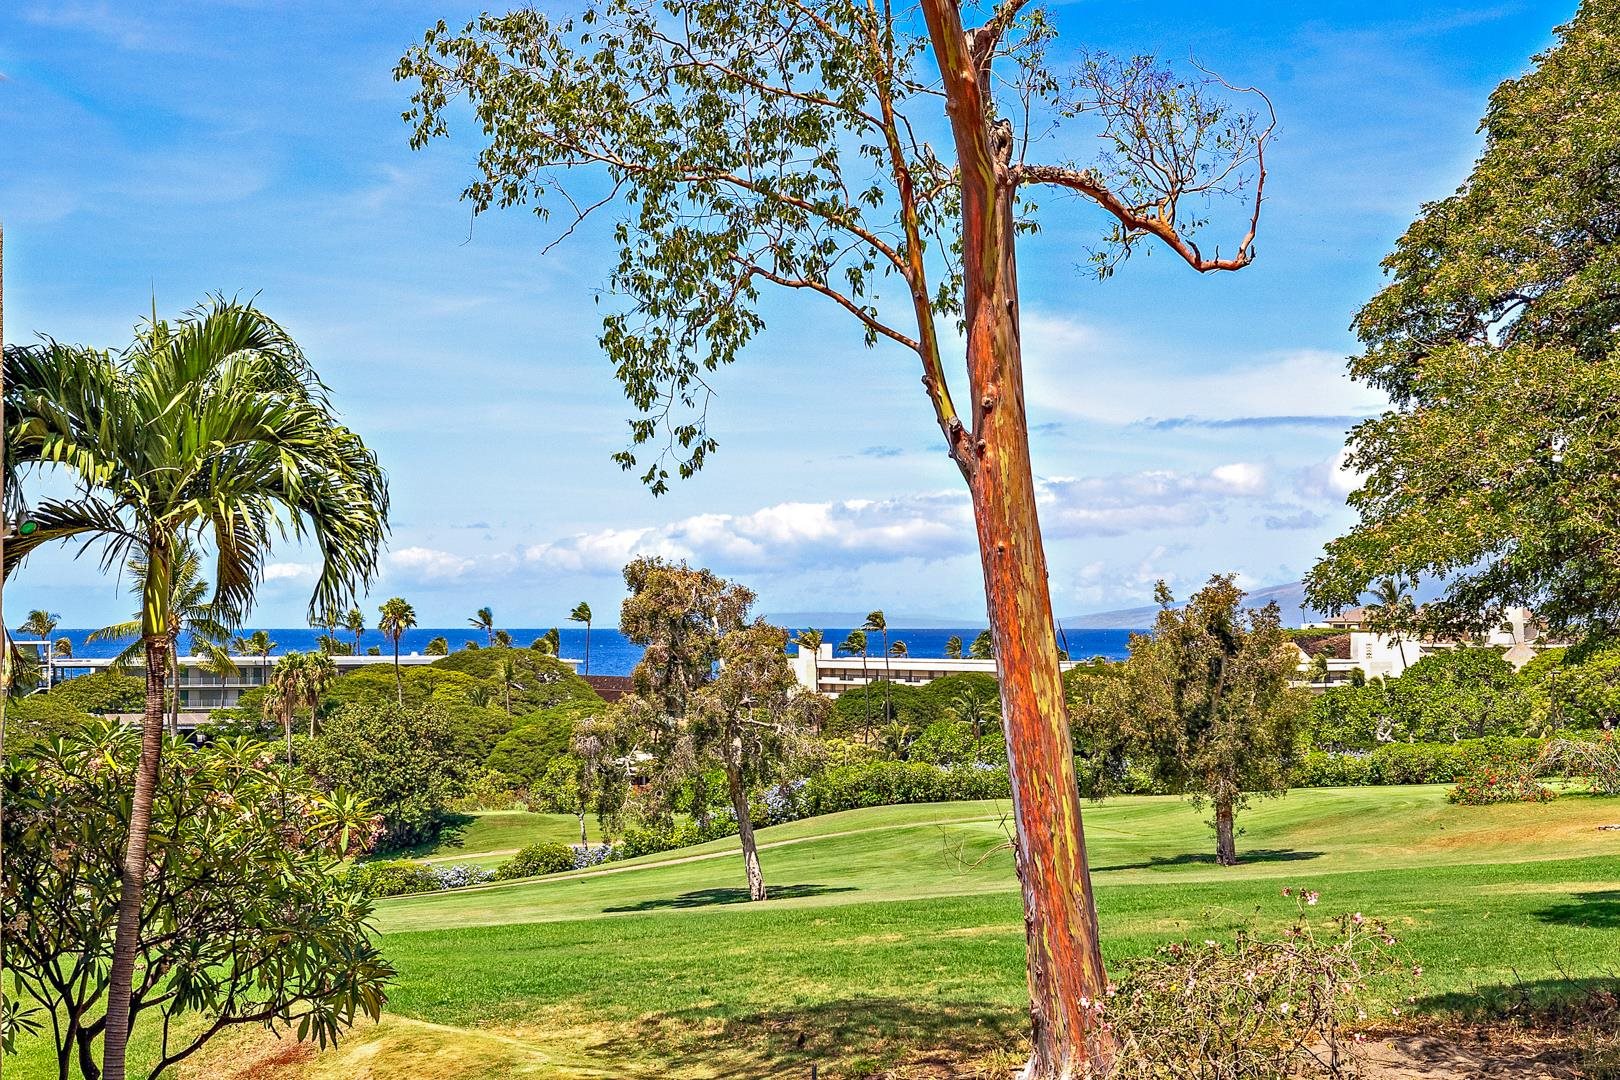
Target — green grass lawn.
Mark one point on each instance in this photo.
(490, 837)
(894, 934)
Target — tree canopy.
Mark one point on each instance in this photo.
(1498, 340)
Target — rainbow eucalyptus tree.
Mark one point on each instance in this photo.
(757, 143)
(215, 431)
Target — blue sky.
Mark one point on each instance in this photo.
(1183, 424)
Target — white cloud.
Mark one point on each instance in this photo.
(429, 564)
(1079, 370)
(1331, 479)
(290, 571)
(930, 526)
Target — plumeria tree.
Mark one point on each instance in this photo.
(755, 144)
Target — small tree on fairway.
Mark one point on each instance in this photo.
(755, 722)
(1207, 698)
(755, 142)
(397, 616)
(582, 614)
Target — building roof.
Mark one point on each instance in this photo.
(1348, 616)
(609, 687)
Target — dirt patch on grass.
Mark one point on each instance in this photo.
(1468, 1055)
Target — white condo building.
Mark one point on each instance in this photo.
(1380, 655)
(829, 674)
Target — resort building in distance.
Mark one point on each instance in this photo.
(1379, 655)
(202, 691)
(828, 674)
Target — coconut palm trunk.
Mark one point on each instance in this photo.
(399, 683)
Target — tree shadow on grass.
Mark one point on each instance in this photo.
(451, 835)
(1258, 855)
(711, 897)
(1570, 1002)
(852, 1037)
(1593, 910)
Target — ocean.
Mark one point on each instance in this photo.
(611, 654)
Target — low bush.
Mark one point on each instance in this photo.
(651, 838)
(1595, 757)
(1333, 770)
(891, 783)
(1256, 1009)
(1498, 771)
(548, 857)
(395, 877)
(1413, 763)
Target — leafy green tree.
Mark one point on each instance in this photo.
(102, 692)
(503, 640)
(1499, 331)
(484, 619)
(879, 704)
(756, 144)
(1207, 698)
(754, 721)
(213, 429)
(589, 778)
(401, 759)
(582, 614)
(397, 616)
(953, 647)
(39, 718)
(257, 644)
(1457, 693)
(526, 753)
(898, 648)
(439, 646)
(62, 647)
(242, 920)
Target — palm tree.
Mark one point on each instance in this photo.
(582, 613)
(319, 671)
(62, 646)
(953, 647)
(285, 692)
(898, 649)
(983, 647)
(355, 623)
(549, 643)
(856, 643)
(397, 617)
(876, 623)
(484, 619)
(191, 612)
(327, 622)
(808, 640)
(503, 640)
(439, 646)
(257, 644)
(508, 673)
(1391, 611)
(1318, 671)
(212, 427)
(39, 625)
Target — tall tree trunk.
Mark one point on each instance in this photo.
(1064, 961)
(286, 731)
(745, 827)
(399, 683)
(174, 690)
(1225, 834)
(120, 981)
(583, 840)
(587, 647)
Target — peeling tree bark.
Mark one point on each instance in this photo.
(1065, 965)
(745, 827)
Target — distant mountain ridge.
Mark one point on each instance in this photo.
(846, 619)
(1290, 598)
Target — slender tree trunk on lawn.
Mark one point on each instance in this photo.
(745, 827)
(399, 683)
(115, 1038)
(1065, 965)
(582, 840)
(1225, 834)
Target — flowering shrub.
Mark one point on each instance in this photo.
(1498, 771)
(462, 875)
(589, 855)
(1255, 1009)
(548, 857)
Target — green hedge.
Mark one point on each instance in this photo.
(395, 877)
(1413, 763)
(547, 857)
(890, 783)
